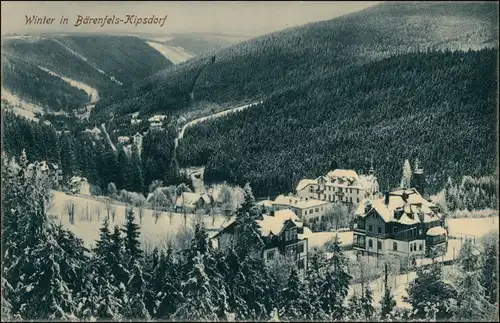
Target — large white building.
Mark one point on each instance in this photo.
(307, 209)
(340, 185)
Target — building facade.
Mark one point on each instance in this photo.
(282, 234)
(402, 223)
(307, 209)
(137, 140)
(340, 185)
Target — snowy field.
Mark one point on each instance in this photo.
(472, 226)
(20, 106)
(318, 239)
(174, 54)
(88, 230)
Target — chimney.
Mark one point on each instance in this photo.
(271, 213)
(386, 199)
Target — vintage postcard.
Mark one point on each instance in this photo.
(249, 161)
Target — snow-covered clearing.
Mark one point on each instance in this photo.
(472, 226)
(151, 233)
(20, 106)
(318, 239)
(175, 54)
(91, 92)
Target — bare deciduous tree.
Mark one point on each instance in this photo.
(108, 207)
(113, 213)
(70, 208)
(97, 209)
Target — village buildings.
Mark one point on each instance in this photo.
(94, 132)
(340, 185)
(191, 202)
(282, 234)
(307, 209)
(402, 223)
(50, 171)
(123, 139)
(79, 185)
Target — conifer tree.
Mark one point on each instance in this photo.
(135, 308)
(131, 240)
(248, 240)
(406, 177)
(295, 302)
(429, 289)
(197, 301)
(490, 267)
(336, 285)
(367, 303)
(169, 294)
(315, 277)
(354, 307)
(472, 301)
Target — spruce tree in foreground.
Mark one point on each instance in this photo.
(472, 301)
(387, 303)
(295, 302)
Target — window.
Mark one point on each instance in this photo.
(270, 255)
(350, 199)
(420, 247)
(301, 264)
(294, 234)
(411, 246)
(370, 228)
(310, 211)
(317, 209)
(393, 230)
(321, 208)
(379, 245)
(350, 190)
(370, 243)
(395, 246)
(300, 248)
(357, 200)
(379, 229)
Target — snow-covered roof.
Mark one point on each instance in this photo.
(157, 118)
(123, 138)
(76, 180)
(274, 224)
(347, 173)
(367, 181)
(436, 231)
(298, 202)
(304, 183)
(190, 199)
(414, 209)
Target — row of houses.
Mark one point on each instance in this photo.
(401, 223)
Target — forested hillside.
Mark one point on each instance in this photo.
(255, 69)
(437, 106)
(105, 63)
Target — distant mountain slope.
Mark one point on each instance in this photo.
(257, 68)
(105, 63)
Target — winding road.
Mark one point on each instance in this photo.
(180, 136)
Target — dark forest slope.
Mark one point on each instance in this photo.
(259, 67)
(106, 63)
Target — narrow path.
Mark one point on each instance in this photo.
(202, 119)
(103, 126)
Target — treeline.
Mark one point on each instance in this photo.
(472, 194)
(49, 274)
(257, 68)
(439, 107)
(76, 153)
(34, 85)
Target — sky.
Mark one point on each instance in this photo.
(239, 18)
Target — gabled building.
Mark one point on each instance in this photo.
(94, 132)
(123, 139)
(191, 202)
(51, 171)
(282, 234)
(307, 209)
(339, 185)
(79, 185)
(402, 223)
(158, 118)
